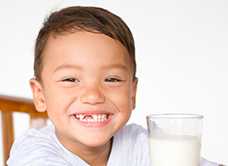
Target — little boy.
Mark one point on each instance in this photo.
(85, 79)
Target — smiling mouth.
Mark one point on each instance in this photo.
(92, 118)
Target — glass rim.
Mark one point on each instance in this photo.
(175, 116)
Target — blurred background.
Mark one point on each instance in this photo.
(182, 57)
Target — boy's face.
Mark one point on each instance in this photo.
(87, 87)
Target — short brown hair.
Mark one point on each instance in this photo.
(78, 18)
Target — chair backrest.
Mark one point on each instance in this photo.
(9, 105)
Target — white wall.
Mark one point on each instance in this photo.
(182, 55)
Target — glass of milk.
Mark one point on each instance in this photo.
(175, 139)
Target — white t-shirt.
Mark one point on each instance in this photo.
(40, 147)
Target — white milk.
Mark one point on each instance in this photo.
(174, 150)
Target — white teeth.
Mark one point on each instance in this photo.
(92, 118)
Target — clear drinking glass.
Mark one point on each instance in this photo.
(175, 139)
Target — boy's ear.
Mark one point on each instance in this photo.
(38, 95)
(134, 90)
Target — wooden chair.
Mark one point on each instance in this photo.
(9, 105)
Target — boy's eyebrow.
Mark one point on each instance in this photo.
(64, 66)
(119, 66)
(111, 66)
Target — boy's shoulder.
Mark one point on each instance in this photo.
(132, 135)
(35, 146)
(34, 136)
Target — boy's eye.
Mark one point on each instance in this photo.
(70, 80)
(113, 80)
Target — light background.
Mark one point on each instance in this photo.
(182, 55)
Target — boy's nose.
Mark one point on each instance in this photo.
(92, 96)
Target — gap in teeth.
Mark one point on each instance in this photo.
(92, 117)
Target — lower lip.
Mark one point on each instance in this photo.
(94, 124)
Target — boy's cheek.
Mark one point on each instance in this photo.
(122, 101)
